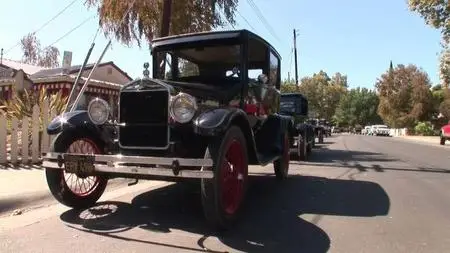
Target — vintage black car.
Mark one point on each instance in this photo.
(204, 114)
(302, 133)
(319, 130)
(326, 126)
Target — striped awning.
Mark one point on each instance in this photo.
(5, 88)
(90, 89)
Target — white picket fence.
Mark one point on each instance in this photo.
(26, 140)
(398, 132)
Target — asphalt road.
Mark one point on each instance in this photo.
(356, 194)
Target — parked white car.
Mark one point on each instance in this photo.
(366, 130)
(382, 130)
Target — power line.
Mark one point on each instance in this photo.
(262, 18)
(72, 30)
(246, 21)
(222, 14)
(45, 24)
(54, 17)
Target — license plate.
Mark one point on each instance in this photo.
(79, 164)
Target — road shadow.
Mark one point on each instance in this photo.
(381, 168)
(20, 166)
(324, 144)
(271, 220)
(326, 155)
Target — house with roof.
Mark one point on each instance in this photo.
(105, 82)
(12, 74)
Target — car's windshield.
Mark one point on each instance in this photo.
(287, 105)
(210, 64)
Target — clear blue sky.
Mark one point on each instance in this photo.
(354, 37)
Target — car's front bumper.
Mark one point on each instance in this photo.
(135, 165)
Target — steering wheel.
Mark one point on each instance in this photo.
(234, 71)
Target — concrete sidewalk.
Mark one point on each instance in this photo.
(422, 139)
(24, 187)
(21, 179)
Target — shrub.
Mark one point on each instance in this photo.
(424, 128)
(21, 105)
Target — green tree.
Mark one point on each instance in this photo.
(436, 14)
(444, 107)
(405, 96)
(358, 107)
(144, 19)
(339, 79)
(323, 93)
(288, 87)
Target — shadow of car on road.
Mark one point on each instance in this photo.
(271, 220)
(325, 155)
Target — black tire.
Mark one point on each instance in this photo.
(56, 180)
(302, 149)
(309, 147)
(281, 166)
(320, 137)
(442, 141)
(211, 189)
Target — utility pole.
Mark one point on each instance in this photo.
(1, 57)
(295, 57)
(165, 22)
(165, 29)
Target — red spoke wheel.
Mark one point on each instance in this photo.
(223, 195)
(73, 190)
(281, 166)
(82, 185)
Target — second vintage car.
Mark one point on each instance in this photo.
(204, 114)
(302, 133)
(319, 130)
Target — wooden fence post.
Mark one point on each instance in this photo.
(45, 138)
(25, 140)
(35, 135)
(3, 126)
(52, 116)
(14, 140)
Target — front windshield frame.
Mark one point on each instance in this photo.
(167, 52)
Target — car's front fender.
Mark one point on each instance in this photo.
(215, 121)
(78, 121)
(70, 121)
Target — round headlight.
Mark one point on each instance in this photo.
(183, 108)
(98, 111)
